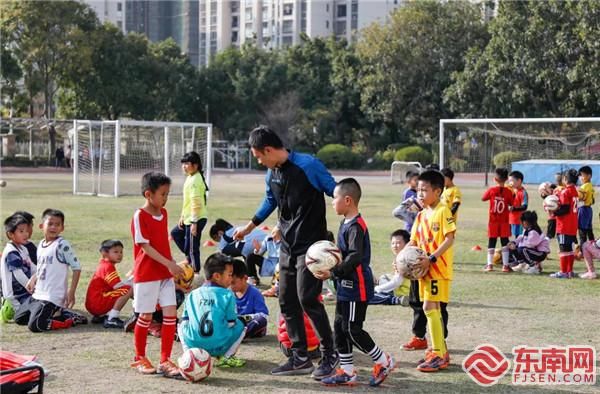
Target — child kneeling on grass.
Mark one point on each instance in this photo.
(532, 246)
(210, 319)
(251, 307)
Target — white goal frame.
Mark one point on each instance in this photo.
(78, 123)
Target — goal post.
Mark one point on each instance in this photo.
(477, 146)
(110, 157)
(399, 169)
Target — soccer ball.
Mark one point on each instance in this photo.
(497, 260)
(551, 203)
(185, 280)
(322, 256)
(544, 189)
(405, 261)
(195, 364)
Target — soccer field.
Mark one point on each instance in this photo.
(505, 310)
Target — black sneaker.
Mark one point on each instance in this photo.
(115, 322)
(130, 323)
(294, 366)
(327, 366)
(77, 318)
(98, 319)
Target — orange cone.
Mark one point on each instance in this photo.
(208, 243)
(266, 228)
(476, 248)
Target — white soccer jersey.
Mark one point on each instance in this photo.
(54, 259)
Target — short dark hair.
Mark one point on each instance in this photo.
(411, 174)
(402, 234)
(108, 244)
(587, 170)
(192, 157)
(448, 173)
(215, 264)
(517, 174)
(29, 217)
(262, 136)
(434, 178)
(571, 175)
(220, 225)
(432, 166)
(501, 174)
(239, 268)
(153, 180)
(13, 221)
(349, 187)
(330, 237)
(50, 212)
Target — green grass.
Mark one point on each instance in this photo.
(505, 310)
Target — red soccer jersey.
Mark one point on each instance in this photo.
(500, 199)
(567, 224)
(153, 230)
(520, 199)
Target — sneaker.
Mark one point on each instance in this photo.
(168, 369)
(155, 329)
(77, 318)
(433, 364)
(230, 362)
(429, 352)
(403, 300)
(294, 366)
(520, 267)
(327, 366)
(532, 270)
(7, 312)
(506, 268)
(130, 323)
(272, 292)
(380, 372)
(341, 378)
(588, 275)
(571, 275)
(98, 319)
(488, 268)
(143, 366)
(115, 322)
(415, 343)
(559, 275)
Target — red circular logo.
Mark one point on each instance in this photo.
(486, 365)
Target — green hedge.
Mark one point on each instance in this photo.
(506, 158)
(338, 156)
(414, 153)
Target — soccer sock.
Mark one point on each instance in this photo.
(490, 256)
(113, 313)
(234, 348)
(60, 325)
(570, 262)
(347, 363)
(378, 356)
(436, 331)
(505, 255)
(564, 264)
(167, 337)
(140, 336)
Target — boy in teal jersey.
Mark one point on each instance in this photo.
(209, 319)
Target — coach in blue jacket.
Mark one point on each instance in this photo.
(296, 184)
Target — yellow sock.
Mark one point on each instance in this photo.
(436, 331)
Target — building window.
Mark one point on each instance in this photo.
(341, 10)
(288, 9)
(287, 27)
(354, 8)
(287, 41)
(213, 20)
(327, 7)
(354, 23)
(119, 7)
(234, 36)
(120, 25)
(265, 13)
(248, 14)
(235, 6)
(327, 24)
(235, 21)
(340, 28)
(213, 36)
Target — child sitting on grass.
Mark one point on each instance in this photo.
(394, 290)
(251, 307)
(532, 246)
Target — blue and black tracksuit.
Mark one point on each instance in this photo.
(297, 189)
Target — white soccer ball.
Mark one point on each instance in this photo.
(405, 261)
(544, 189)
(322, 256)
(2, 183)
(195, 364)
(551, 203)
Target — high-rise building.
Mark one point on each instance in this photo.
(109, 11)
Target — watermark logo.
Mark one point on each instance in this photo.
(486, 365)
(569, 365)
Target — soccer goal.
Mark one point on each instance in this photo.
(399, 169)
(539, 145)
(110, 157)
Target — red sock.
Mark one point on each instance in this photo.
(140, 336)
(167, 337)
(564, 263)
(60, 325)
(571, 262)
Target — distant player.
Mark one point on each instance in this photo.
(566, 225)
(251, 307)
(586, 200)
(410, 193)
(153, 273)
(107, 294)
(354, 280)
(520, 202)
(434, 232)
(500, 198)
(551, 227)
(451, 196)
(210, 319)
(45, 310)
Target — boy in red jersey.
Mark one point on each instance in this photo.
(566, 225)
(153, 274)
(520, 202)
(107, 294)
(500, 198)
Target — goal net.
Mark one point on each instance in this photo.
(399, 169)
(478, 146)
(110, 157)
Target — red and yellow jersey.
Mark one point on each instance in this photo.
(451, 196)
(429, 230)
(567, 223)
(500, 199)
(586, 194)
(104, 280)
(520, 199)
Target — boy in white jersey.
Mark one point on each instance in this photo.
(45, 310)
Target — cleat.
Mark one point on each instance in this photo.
(168, 369)
(143, 366)
(433, 364)
(506, 268)
(230, 362)
(415, 343)
(115, 322)
(559, 275)
(294, 366)
(380, 373)
(488, 268)
(341, 378)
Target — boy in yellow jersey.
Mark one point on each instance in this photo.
(433, 231)
(451, 196)
(586, 200)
